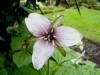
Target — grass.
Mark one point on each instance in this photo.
(88, 23)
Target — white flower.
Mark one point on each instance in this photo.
(76, 61)
(81, 46)
(41, 27)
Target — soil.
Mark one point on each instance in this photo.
(92, 51)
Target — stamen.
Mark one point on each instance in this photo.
(42, 37)
(54, 36)
(45, 38)
(46, 32)
(47, 42)
(49, 36)
(53, 42)
(52, 30)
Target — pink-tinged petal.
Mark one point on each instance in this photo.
(67, 36)
(37, 24)
(41, 53)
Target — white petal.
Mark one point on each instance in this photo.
(42, 51)
(76, 61)
(67, 36)
(37, 24)
(73, 60)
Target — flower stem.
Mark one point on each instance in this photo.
(48, 68)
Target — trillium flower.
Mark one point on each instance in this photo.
(43, 49)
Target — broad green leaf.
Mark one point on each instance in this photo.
(66, 67)
(18, 40)
(69, 70)
(89, 63)
(70, 54)
(16, 43)
(26, 70)
(22, 58)
(97, 71)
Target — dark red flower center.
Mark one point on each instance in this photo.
(50, 36)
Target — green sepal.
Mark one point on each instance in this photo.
(58, 21)
(61, 50)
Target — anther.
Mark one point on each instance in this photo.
(54, 36)
(46, 32)
(42, 37)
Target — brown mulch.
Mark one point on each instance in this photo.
(92, 50)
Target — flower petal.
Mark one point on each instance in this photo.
(37, 24)
(42, 51)
(67, 36)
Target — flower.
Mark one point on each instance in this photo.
(79, 58)
(76, 61)
(41, 27)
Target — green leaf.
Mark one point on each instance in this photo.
(18, 39)
(22, 58)
(97, 71)
(89, 63)
(26, 70)
(71, 54)
(69, 69)
(16, 43)
(65, 66)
